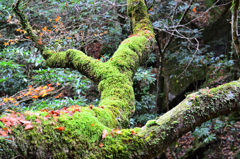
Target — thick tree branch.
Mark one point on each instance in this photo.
(193, 111)
(235, 26)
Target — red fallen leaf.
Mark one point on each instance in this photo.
(57, 112)
(25, 122)
(111, 133)
(193, 97)
(104, 134)
(8, 124)
(77, 110)
(44, 110)
(7, 129)
(118, 131)
(44, 118)
(101, 144)
(4, 133)
(61, 128)
(210, 95)
(28, 127)
(49, 85)
(22, 117)
(38, 121)
(133, 132)
(51, 112)
(70, 113)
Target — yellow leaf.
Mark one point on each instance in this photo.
(5, 43)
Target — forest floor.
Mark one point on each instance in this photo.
(221, 142)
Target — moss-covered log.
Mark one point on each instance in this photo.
(82, 137)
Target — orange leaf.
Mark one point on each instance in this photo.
(44, 29)
(210, 95)
(118, 131)
(9, 110)
(5, 43)
(57, 19)
(49, 85)
(28, 127)
(194, 9)
(132, 131)
(104, 134)
(39, 42)
(35, 97)
(58, 95)
(61, 128)
(91, 106)
(101, 144)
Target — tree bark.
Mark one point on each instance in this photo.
(82, 137)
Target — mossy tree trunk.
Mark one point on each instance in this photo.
(82, 137)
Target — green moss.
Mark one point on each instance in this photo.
(151, 123)
(30, 117)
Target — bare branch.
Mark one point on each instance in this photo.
(26, 26)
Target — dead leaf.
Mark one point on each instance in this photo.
(101, 144)
(28, 127)
(104, 134)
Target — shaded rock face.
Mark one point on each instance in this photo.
(217, 35)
